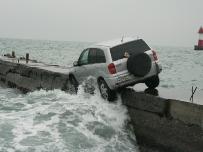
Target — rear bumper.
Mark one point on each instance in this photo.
(128, 79)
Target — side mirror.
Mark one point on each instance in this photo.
(75, 63)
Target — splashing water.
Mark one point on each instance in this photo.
(57, 121)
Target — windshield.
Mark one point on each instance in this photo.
(133, 47)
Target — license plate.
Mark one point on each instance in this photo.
(122, 79)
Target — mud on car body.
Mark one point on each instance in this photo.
(117, 64)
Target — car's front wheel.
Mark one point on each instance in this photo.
(152, 82)
(105, 91)
(73, 87)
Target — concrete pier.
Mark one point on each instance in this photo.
(164, 124)
(33, 75)
(160, 124)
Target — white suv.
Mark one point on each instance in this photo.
(116, 64)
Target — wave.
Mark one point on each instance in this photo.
(58, 121)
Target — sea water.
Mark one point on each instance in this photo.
(57, 121)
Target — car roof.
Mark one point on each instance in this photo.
(116, 42)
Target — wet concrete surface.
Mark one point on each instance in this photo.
(172, 93)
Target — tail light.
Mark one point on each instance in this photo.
(154, 55)
(112, 68)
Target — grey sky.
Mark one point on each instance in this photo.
(162, 22)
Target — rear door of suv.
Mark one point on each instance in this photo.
(121, 53)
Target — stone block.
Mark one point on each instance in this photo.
(142, 101)
(46, 80)
(168, 135)
(59, 82)
(22, 82)
(187, 112)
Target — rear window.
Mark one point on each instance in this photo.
(134, 47)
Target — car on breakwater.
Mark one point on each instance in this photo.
(117, 64)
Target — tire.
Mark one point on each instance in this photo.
(106, 92)
(73, 84)
(139, 64)
(152, 82)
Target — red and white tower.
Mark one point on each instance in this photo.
(200, 42)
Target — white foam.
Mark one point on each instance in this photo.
(58, 121)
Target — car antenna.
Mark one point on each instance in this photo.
(122, 39)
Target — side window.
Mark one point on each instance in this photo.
(100, 56)
(92, 56)
(84, 57)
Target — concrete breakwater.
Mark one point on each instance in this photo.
(159, 124)
(165, 124)
(32, 76)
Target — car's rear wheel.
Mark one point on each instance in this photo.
(152, 82)
(105, 91)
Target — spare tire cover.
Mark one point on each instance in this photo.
(139, 64)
